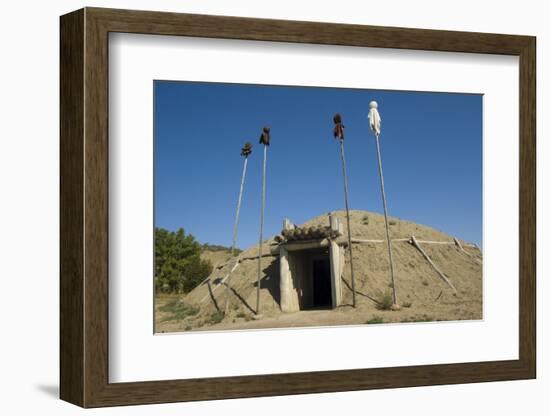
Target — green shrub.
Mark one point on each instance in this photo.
(386, 302)
(177, 310)
(216, 317)
(375, 320)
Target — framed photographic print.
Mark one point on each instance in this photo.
(255, 207)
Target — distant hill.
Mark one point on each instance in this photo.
(217, 247)
(216, 254)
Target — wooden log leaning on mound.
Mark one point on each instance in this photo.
(415, 243)
(241, 259)
(465, 252)
(235, 266)
(408, 240)
(211, 293)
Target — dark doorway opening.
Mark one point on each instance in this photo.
(322, 291)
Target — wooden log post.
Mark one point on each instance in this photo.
(350, 248)
(461, 248)
(415, 243)
(245, 152)
(265, 140)
(223, 280)
(383, 192)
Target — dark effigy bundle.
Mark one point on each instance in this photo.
(265, 136)
(338, 127)
(247, 149)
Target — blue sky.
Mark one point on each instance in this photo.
(431, 151)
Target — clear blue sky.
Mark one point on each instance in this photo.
(431, 150)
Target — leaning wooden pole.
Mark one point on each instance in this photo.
(415, 243)
(380, 171)
(375, 121)
(245, 152)
(236, 226)
(264, 139)
(339, 134)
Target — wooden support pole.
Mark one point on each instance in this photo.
(236, 226)
(386, 218)
(222, 281)
(235, 230)
(261, 233)
(415, 243)
(461, 248)
(344, 171)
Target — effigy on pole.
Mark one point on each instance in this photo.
(375, 122)
(246, 150)
(338, 133)
(265, 140)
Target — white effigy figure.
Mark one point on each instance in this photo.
(374, 118)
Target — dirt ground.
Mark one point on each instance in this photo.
(421, 292)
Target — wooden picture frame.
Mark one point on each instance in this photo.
(84, 207)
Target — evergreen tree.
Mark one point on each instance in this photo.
(178, 265)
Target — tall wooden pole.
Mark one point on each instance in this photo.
(385, 216)
(375, 122)
(338, 133)
(261, 233)
(245, 151)
(348, 220)
(236, 226)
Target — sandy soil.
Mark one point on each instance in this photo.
(421, 292)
